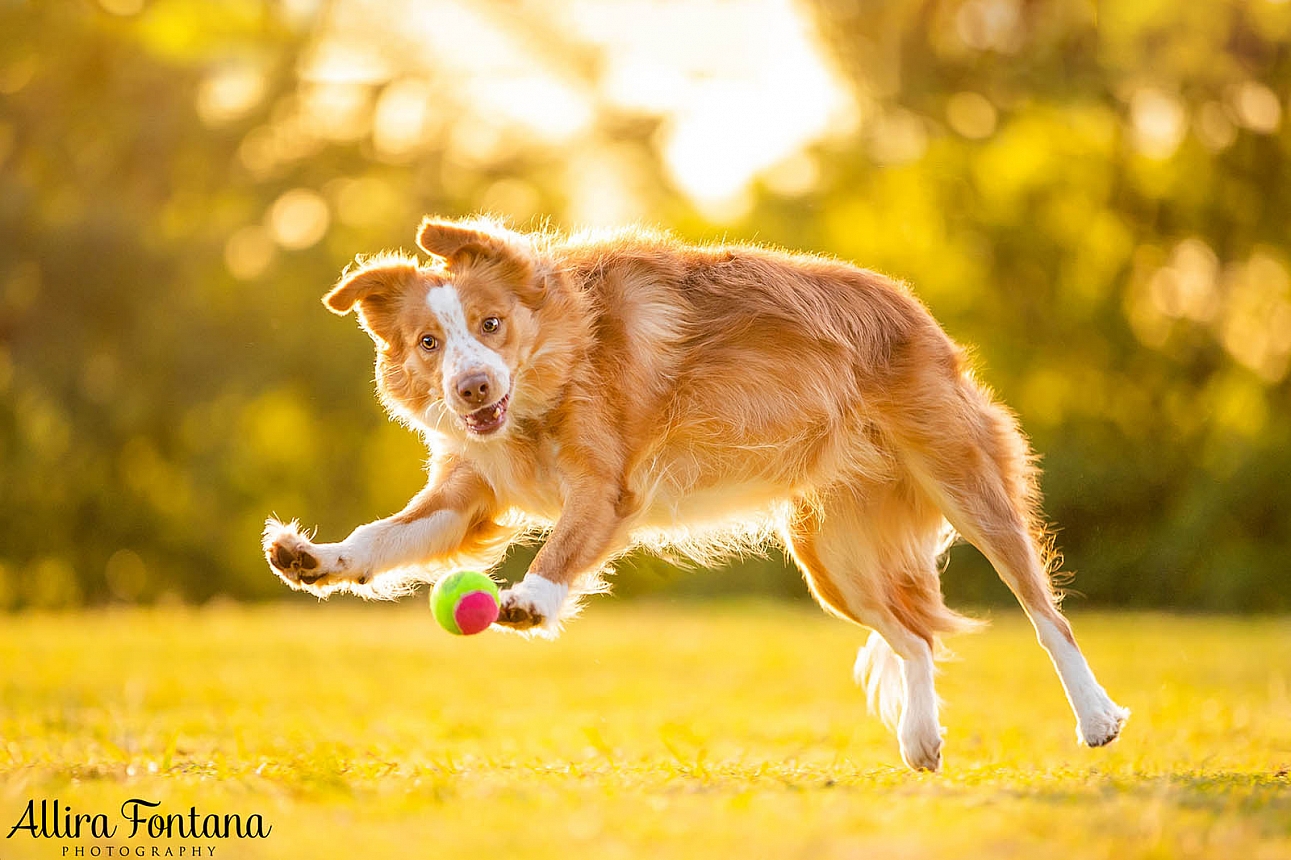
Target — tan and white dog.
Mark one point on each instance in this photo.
(628, 389)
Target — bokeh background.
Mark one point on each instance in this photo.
(1095, 196)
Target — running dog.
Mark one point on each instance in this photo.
(627, 389)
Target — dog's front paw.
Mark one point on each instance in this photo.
(288, 552)
(518, 613)
(302, 564)
(532, 603)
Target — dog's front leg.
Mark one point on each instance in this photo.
(590, 529)
(434, 525)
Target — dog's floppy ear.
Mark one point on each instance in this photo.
(374, 279)
(371, 289)
(484, 244)
(454, 240)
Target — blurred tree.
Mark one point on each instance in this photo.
(1096, 195)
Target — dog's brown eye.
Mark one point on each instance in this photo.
(429, 343)
(491, 325)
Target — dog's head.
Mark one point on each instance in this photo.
(455, 338)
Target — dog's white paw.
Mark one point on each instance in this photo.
(534, 603)
(304, 565)
(920, 744)
(1102, 725)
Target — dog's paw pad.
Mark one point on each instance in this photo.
(289, 554)
(533, 604)
(289, 557)
(516, 611)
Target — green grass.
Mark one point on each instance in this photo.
(647, 730)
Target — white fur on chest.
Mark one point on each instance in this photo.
(527, 482)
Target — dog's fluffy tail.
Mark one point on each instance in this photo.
(878, 672)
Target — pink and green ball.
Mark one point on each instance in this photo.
(465, 602)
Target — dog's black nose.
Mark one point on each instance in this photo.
(474, 389)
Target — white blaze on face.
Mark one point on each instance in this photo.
(462, 351)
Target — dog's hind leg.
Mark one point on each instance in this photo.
(869, 554)
(970, 457)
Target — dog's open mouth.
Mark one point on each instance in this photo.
(484, 421)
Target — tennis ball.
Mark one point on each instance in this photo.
(465, 602)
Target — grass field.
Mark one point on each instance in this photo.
(648, 730)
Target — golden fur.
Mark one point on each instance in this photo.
(699, 399)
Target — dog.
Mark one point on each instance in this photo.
(627, 389)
